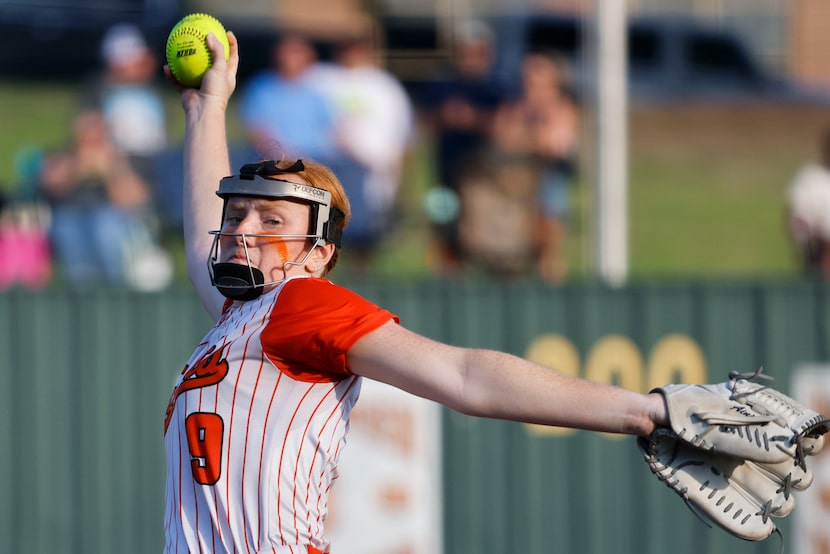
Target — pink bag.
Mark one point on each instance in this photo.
(25, 256)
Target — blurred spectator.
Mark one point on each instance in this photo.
(540, 129)
(374, 126)
(808, 212)
(127, 92)
(98, 203)
(284, 116)
(457, 110)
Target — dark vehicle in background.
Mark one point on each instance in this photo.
(60, 39)
(669, 58)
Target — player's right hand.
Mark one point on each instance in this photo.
(219, 82)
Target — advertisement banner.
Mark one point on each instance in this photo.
(811, 386)
(387, 499)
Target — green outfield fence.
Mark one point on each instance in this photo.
(85, 378)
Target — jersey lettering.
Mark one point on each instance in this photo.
(209, 370)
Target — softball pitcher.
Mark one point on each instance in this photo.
(259, 413)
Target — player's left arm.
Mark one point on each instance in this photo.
(494, 384)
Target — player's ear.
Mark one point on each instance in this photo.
(319, 258)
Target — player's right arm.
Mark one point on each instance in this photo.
(206, 162)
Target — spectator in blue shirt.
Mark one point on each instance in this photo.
(281, 110)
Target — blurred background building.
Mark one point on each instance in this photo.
(789, 37)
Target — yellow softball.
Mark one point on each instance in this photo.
(187, 53)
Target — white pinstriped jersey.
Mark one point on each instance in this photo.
(257, 419)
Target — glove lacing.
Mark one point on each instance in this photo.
(807, 427)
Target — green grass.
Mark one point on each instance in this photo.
(706, 184)
(687, 221)
(708, 188)
(32, 115)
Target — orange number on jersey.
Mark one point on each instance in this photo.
(204, 440)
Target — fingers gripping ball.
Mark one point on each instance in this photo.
(187, 53)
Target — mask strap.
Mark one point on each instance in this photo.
(331, 232)
(268, 167)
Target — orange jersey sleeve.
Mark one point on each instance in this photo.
(313, 325)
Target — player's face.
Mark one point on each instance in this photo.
(259, 216)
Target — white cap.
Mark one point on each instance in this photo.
(123, 44)
(473, 31)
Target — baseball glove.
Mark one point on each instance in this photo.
(735, 452)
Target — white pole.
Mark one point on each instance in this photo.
(612, 165)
